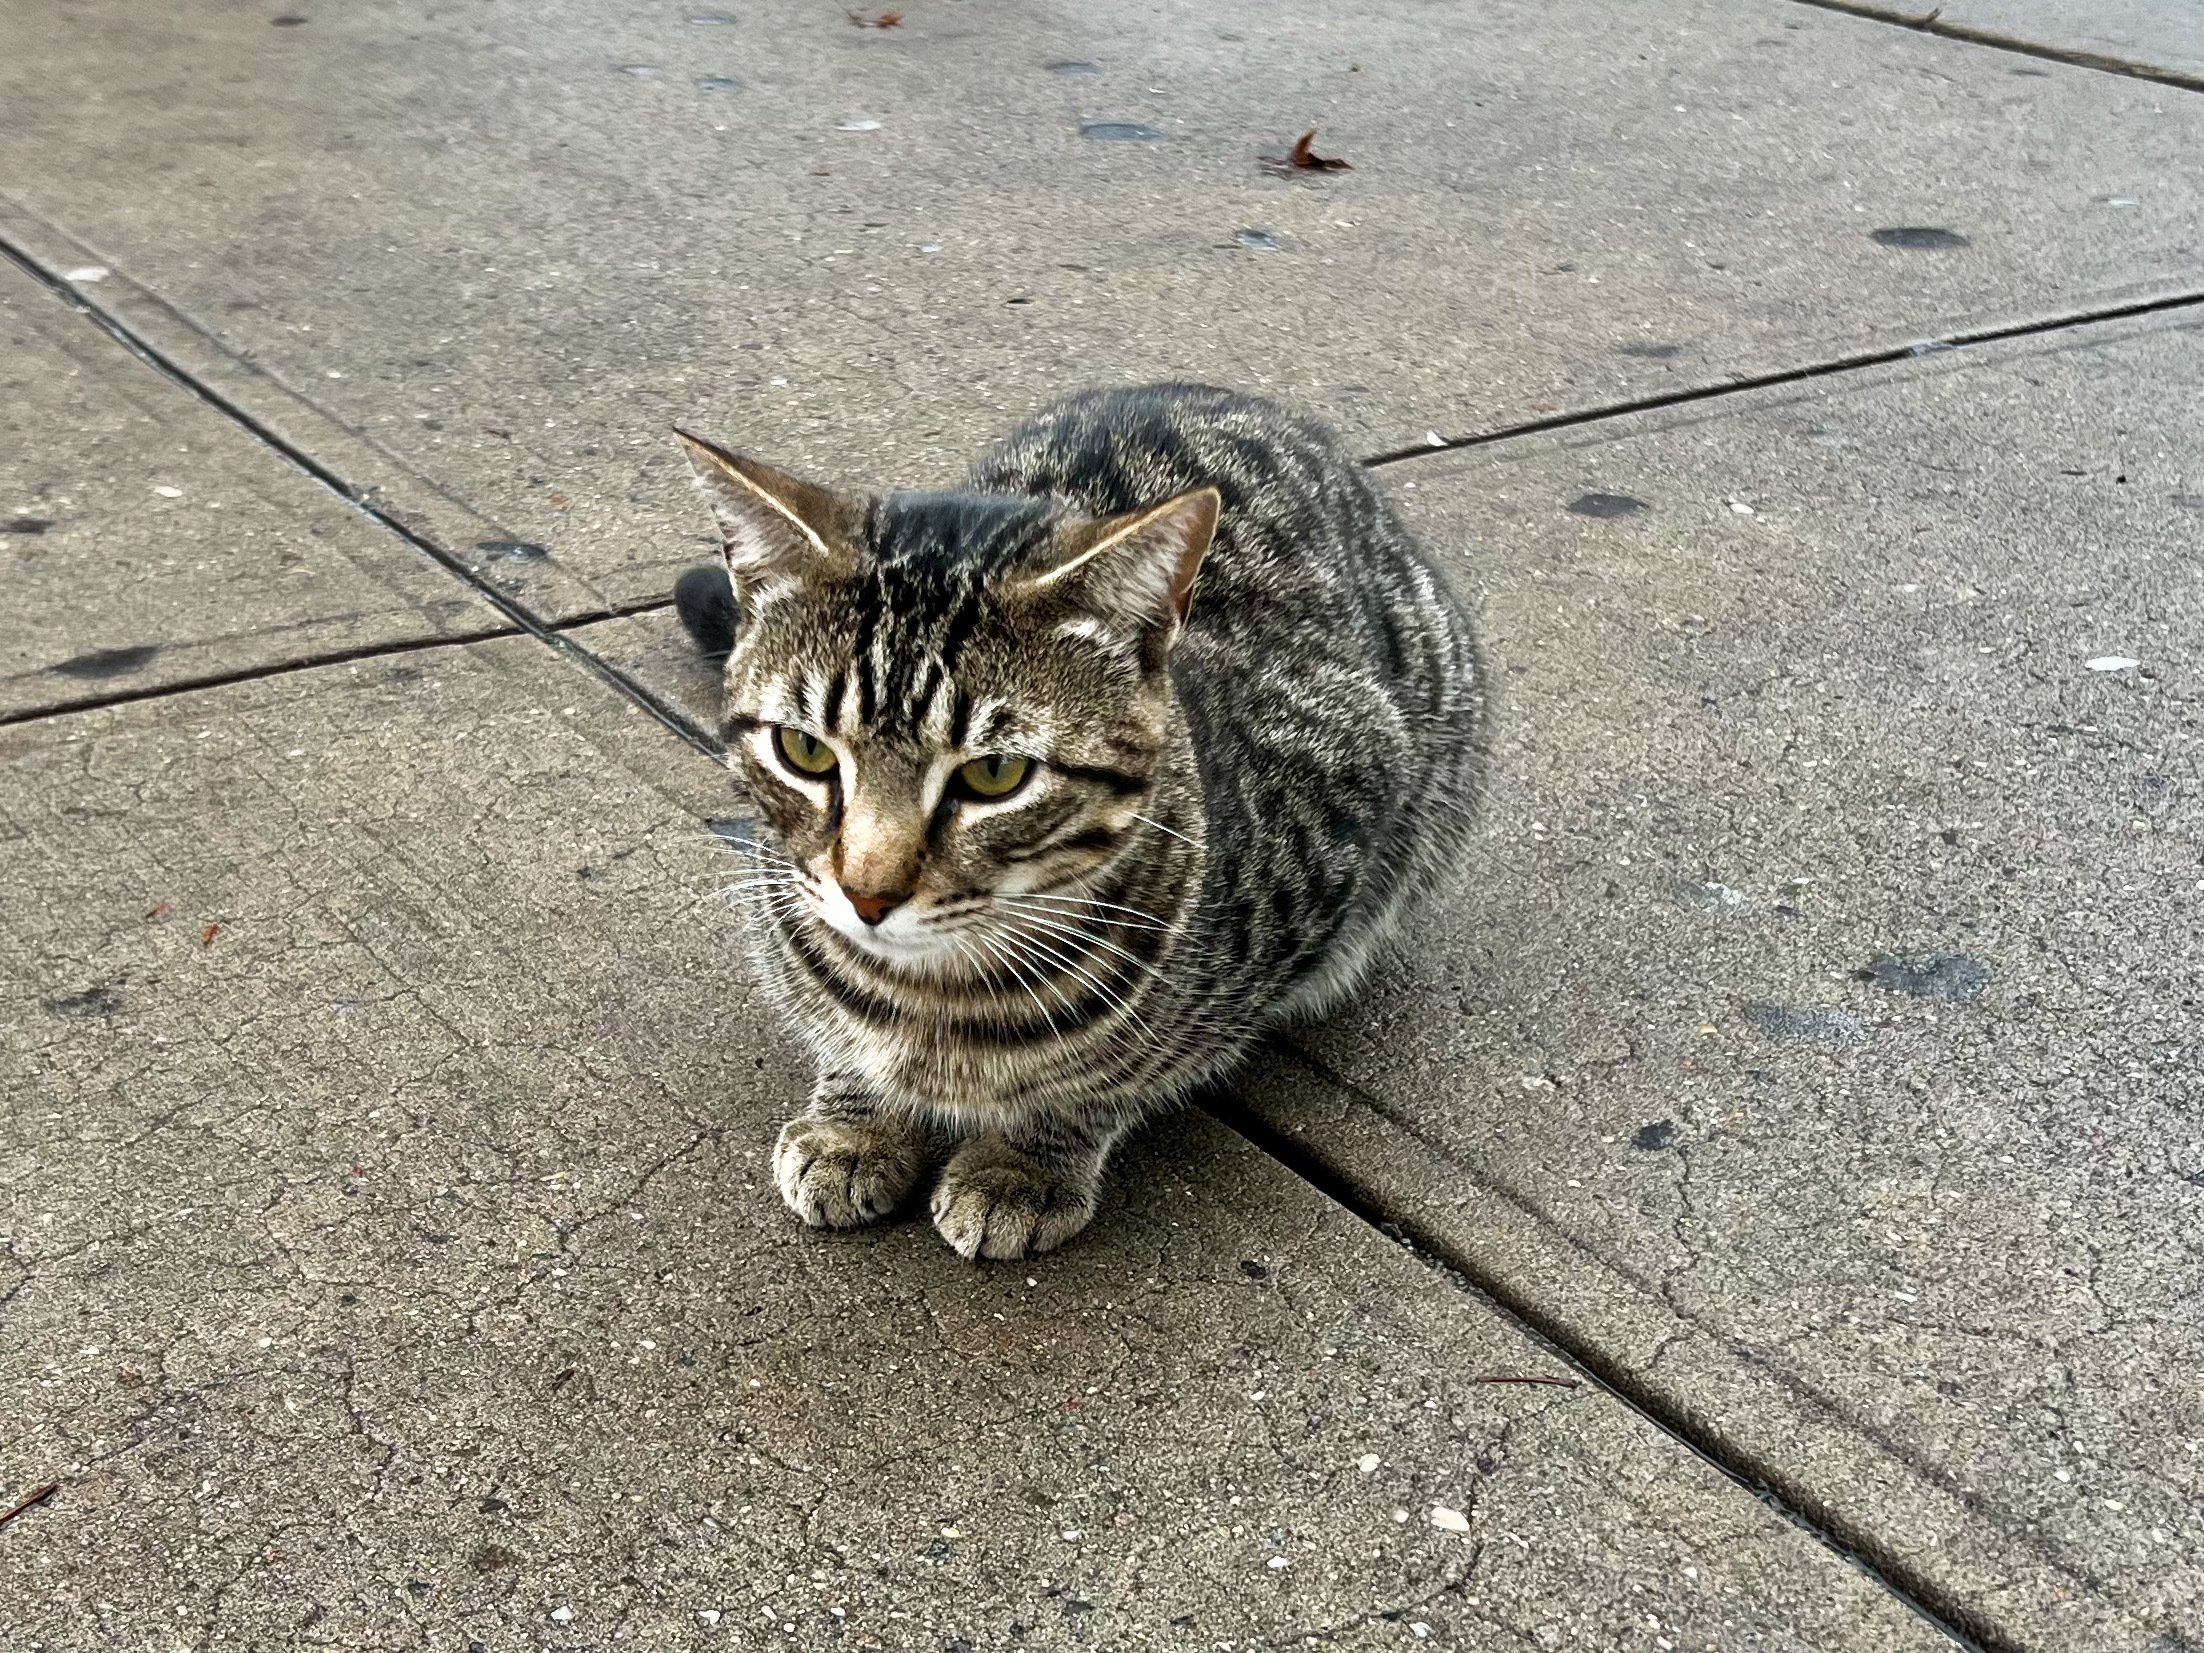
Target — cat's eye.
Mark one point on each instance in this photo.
(806, 754)
(995, 777)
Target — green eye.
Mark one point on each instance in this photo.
(995, 777)
(806, 754)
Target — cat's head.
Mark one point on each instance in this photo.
(944, 703)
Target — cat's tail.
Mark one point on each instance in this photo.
(706, 605)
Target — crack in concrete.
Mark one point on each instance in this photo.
(1933, 24)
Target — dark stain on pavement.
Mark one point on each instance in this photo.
(108, 662)
(1952, 977)
(1918, 238)
(101, 1000)
(1660, 1134)
(1606, 507)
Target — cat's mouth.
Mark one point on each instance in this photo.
(905, 937)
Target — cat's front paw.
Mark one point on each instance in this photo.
(843, 1174)
(995, 1201)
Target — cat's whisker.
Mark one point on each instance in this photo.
(1160, 827)
(994, 947)
(1074, 933)
(1089, 901)
(1110, 996)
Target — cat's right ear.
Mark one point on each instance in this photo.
(775, 530)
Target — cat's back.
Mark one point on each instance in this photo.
(1110, 451)
(1328, 669)
(1310, 568)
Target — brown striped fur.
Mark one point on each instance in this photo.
(1250, 713)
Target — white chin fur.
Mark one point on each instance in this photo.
(896, 939)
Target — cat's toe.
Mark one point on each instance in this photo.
(835, 1174)
(995, 1202)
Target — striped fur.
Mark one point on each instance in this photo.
(1226, 816)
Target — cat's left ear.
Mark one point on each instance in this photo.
(774, 528)
(1135, 571)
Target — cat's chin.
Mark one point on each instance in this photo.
(915, 951)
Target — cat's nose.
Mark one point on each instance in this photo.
(873, 908)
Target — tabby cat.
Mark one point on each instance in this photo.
(1075, 781)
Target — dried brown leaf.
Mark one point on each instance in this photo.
(1308, 160)
(1302, 158)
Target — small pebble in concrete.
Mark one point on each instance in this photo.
(642, 71)
(85, 274)
(1918, 238)
(1128, 131)
(1368, 1463)
(1807, 1024)
(1952, 977)
(857, 123)
(1606, 507)
(1448, 1520)
(2113, 663)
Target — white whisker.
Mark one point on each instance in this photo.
(1160, 827)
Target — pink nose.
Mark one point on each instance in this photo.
(872, 908)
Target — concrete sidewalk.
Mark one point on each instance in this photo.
(1806, 1074)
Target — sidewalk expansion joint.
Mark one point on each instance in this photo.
(1790, 376)
(1934, 24)
(1597, 1370)
(522, 619)
(312, 662)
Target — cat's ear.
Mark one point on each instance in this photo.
(1135, 571)
(774, 529)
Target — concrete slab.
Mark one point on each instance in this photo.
(148, 542)
(390, 1261)
(1815, 1038)
(2147, 34)
(480, 260)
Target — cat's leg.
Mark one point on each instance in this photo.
(848, 1159)
(1023, 1190)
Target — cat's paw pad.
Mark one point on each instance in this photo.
(835, 1174)
(993, 1201)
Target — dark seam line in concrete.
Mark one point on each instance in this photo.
(1859, 1550)
(522, 619)
(310, 662)
(1934, 24)
(1790, 376)
(251, 674)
